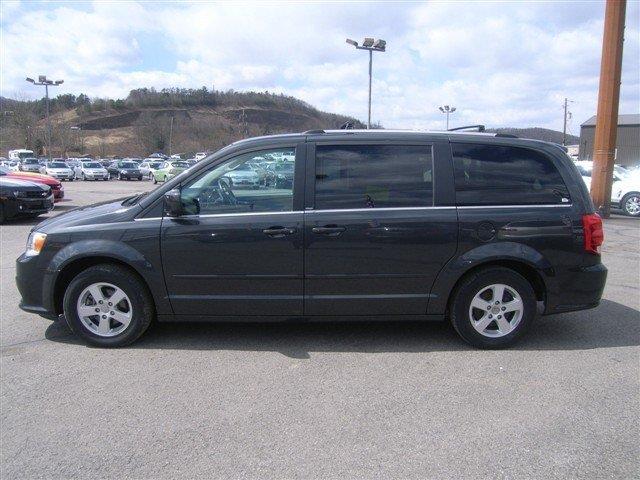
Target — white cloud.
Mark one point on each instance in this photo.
(499, 63)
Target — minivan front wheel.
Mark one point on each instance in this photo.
(108, 306)
(493, 307)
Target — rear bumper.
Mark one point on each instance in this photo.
(578, 289)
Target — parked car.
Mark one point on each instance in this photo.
(30, 164)
(200, 155)
(55, 185)
(58, 170)
(93, 171)
(21, 198)
(12, 165)
(168, 170)
(245, 175)
(483, 230)
(124, 170)
(625, 191)
(148, 166)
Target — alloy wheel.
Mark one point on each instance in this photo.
(104, 309)
(496, 310)
(632, 205)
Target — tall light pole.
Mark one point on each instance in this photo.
(371, 46)
(567, 115)
(42, 80)
(446, 109)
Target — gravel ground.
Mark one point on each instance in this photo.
(343, 400)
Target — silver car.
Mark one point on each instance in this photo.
(30, 165)
(93, 171)
(58, 170)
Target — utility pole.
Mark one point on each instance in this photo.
(567, 115)
(170, 136)
(42, 80)
(608, 100)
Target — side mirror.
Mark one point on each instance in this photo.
(173, 203)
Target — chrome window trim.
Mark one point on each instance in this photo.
(384, 209)
(529, 205)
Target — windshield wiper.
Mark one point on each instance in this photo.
(134, 199)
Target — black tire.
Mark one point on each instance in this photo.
(155, 180)
(472, 284)
(141, 302)
(624, 206)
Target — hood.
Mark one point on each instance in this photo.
(7, 182)
(34, 177)
(99, 213)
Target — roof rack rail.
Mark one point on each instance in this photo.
(506, 135)
(479, 128)
(314, 132)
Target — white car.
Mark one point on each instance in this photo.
(93, 171)
(12, 165)
(625, 192)
(58, 170)
(149, 166)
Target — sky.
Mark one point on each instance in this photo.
(499, 63)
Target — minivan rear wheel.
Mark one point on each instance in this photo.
(108, 306)
(493, 307)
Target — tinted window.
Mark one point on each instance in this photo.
(128, 165)
(496, 175)
(236, 187)
(373, 176)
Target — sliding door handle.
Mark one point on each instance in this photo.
(277, 232)
(329, 230)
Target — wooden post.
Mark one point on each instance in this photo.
(608, 98)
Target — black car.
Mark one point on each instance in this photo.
(485, 230)
(21, 198)
(124, 170)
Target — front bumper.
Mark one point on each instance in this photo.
(16, 207)
(31, 278)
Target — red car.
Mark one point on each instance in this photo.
(56, 186)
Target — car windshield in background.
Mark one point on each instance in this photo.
(155, 165)
(284, 167)
(180, 164)
(57, 165)
(92, 165)
(31, 161)
(129, 165)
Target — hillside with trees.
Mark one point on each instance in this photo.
(175, 120)
(149, 120)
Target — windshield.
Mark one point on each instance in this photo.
(128, 165)
(92, 165)
(23, 155)
(621, 172)
(155, 165)
(30, 161)
(57, 165)
(180, 165)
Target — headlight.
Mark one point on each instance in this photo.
(35, 243)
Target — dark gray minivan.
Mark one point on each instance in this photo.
(485, 230)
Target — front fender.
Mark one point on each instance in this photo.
(484, 254)
(108, 249)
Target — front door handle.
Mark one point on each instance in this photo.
(278, 232)
(329, 230)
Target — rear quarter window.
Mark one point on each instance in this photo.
(503, 175)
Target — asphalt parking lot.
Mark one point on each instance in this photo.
(339, 400)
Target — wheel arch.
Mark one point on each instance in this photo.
(519, 258)
(74, 258)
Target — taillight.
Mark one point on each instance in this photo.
(593, 233)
